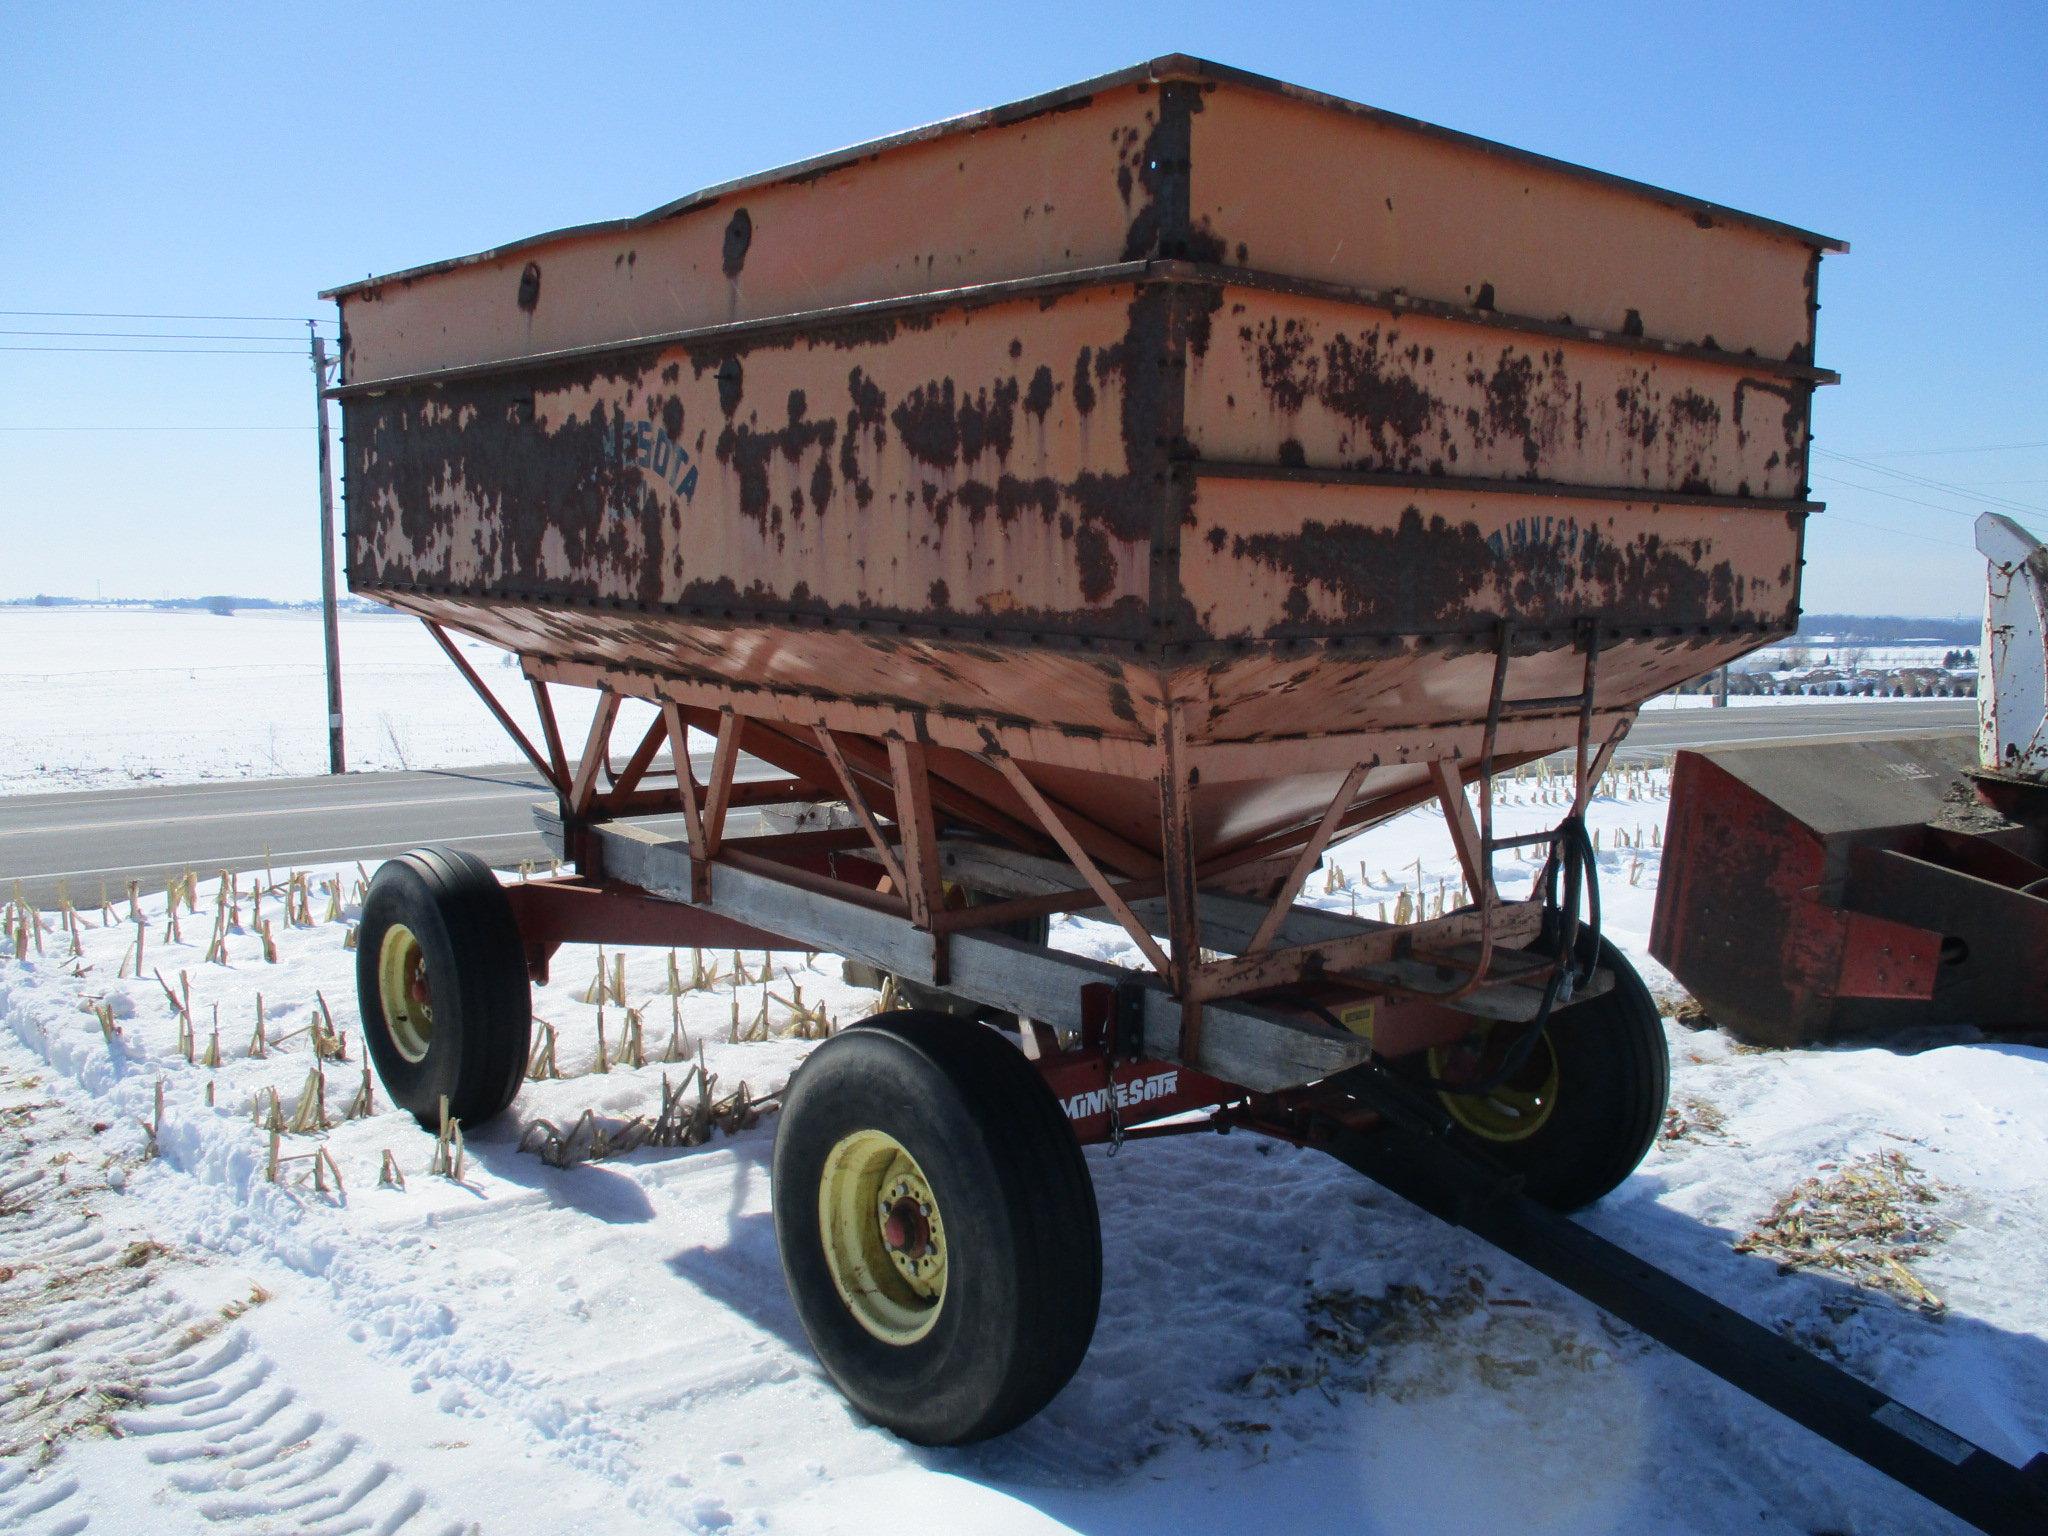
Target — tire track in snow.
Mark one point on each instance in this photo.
(93, 1344)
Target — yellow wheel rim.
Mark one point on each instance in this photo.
(1519, 1107)
(885, 1243)
(405, 992)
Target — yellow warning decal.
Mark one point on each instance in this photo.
(1358, 1018)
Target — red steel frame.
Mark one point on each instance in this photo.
(897, 787)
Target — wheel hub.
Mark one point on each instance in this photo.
(884, 1239)
(906, 1229)
(1510, 1111)
(406, 992)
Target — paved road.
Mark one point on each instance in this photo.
(77, 839)
(1662, 730)
(81, 838)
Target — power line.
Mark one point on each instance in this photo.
(158, 335)
(1904, 533)
(97, 314)
(1918, 453)
(163, 351)
(1948, 487)
(1893, 495)
(148, 429)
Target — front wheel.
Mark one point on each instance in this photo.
(441, 984)
(1584, 1107)
(937, 1226)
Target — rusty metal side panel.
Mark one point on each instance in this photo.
(1294, 380)
(795, 672)
(1266, 559)
(966, 470)
(1066, 189)
(1887, 960)
(1738, 920)
(1287, 186)
(1266, 696)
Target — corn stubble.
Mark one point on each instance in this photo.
(684, 1120)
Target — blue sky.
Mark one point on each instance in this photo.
(232, 160)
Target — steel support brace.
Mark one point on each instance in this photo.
(596, 748)
(686, 787)
(1311, 855)
(1465, 835)
(550, 769)
(864, 813)
(1052, 822)
(628, 778)
(725, 756)
(551, 732)
(923, 886)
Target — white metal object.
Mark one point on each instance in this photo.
(2012, 688)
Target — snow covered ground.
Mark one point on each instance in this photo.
(609, 1347)
(101, 698)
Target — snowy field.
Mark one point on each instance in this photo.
(192, 1345)
(104, 698)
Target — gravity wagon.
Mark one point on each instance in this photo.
(1103, 503)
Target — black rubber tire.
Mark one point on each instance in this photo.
(483, 1002)
(1614, 1079)
(1024, 1267)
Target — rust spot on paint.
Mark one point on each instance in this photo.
(1097, 562)
(943, 428)
(1429, 572)
(1084, 387)
(749, 450)
(1795, 398)
(1038, 398)
(739, 236)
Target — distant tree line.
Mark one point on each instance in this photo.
(1819, 629)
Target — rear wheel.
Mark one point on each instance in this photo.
(441, 984)
(1585, 1105)
(937, 1226)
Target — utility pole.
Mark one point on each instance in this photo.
(337, 761)
(1721, 687)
